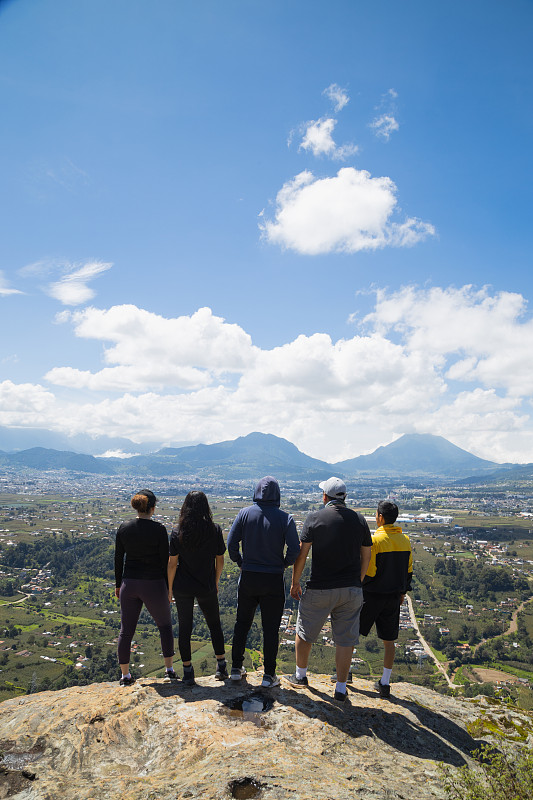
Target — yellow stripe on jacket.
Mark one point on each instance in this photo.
(391, 562)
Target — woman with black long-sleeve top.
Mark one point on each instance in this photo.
(141, 560)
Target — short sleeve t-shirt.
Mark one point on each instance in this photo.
(195, 574)
(337, 534)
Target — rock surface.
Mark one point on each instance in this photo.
(162, 741)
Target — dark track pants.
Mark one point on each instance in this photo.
(154, 594)
(209, 608)
(266, 590)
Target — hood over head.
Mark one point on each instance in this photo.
(267, 491)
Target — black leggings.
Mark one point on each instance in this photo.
(209, 607)
(154, 594)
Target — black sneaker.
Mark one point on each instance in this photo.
(295, 681)
(127, 681)
(269, 681)
(383, 689)
(222, 671)
(341, 696)
(237, 673)
(349, 679)
(171, 675)
(188, 677)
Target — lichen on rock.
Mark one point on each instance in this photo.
(167, 741)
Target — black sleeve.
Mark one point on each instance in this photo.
(119, 558)
(367, 536)
(174, 547)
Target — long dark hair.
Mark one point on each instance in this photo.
(195, 521)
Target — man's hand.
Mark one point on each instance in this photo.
(117, 592)
(170, 596)
(296, 591)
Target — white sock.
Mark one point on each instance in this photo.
(301, 672)
(341, 687)
(385, 678)
(127, 676)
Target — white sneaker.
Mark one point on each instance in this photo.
(269, 681)
(237, 673)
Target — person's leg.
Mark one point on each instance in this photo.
(211, 611)
(387, 627)
(388, 661)
(313, 611)
(155, 597)
(345, 616)
(185, 609)
(272, 603)
(130, 609)
(303, 651)
(246, 606)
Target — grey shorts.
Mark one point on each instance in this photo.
(343, 604)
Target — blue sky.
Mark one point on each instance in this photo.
(308, 219)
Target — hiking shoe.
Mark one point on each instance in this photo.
(349, 679)
(383, 689)
(171, 675)
(269, 681)
(339, 696)
(188, 677)
(127, 681)
(222, 672)
(296, 682)
(237, 673)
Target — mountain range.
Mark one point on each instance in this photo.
(412, 455)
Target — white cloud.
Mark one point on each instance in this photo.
(338, 96)
(490, 336)
(347, 213)
(72, 289)
(423, 361)
(151, 351)
(5, 290)
(319, 140)
(384, 125)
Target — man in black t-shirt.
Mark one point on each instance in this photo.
(341, 542)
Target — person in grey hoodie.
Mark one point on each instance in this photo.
(262, 531)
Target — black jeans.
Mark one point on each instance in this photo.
(209, 608)
(267, 590)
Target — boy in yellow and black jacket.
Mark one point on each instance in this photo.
(387, 580)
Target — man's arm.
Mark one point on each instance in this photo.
(293, 544)
(234, 538)
(365, 560)
(298, 568)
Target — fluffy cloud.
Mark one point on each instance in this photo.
(72, 289)
(150, 351)
(489, 336)
(423, 361)
(347, 213)
(319, 141)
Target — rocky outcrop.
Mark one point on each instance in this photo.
(162, 741)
